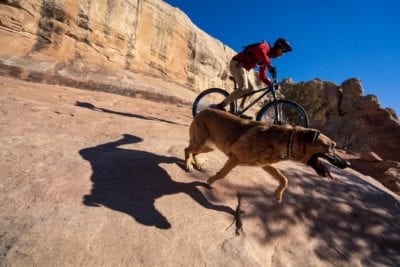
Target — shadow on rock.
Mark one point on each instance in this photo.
(130, 181)
(94, 108)
(347, 217)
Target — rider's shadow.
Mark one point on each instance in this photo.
(130, 181)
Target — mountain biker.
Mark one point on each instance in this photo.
(259, 54)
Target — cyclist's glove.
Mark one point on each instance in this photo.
(272, 70)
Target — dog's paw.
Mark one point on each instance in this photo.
(189, 167)
(278, 197)
(199, 164)
(210, 184)
(200, 168)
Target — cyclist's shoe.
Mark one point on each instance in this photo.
(218, 106)
(243, 116)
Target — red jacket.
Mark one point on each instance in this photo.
(256, 55)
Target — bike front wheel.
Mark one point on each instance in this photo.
(284, 112)
(209, 97)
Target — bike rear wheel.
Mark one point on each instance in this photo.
(289, 112)
(209, 97)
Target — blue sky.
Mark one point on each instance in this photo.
(332, 40)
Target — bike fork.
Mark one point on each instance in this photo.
(278, 119)
(235, 108)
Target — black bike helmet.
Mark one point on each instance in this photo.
(283, 44)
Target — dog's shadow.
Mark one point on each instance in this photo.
(130, 181)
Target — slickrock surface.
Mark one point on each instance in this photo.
(94, 179)
(151, 50)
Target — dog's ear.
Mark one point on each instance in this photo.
(312, 135)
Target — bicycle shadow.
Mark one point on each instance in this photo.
(130, 181)
(94, 108)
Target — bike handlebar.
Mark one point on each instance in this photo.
(274, 74)
(274, 81)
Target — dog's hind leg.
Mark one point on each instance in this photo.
(229, 165)
(283, 181)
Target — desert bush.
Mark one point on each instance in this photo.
(309, 98)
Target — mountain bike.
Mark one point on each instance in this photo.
(277, 111)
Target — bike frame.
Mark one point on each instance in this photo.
(279, 107)
(270, 89)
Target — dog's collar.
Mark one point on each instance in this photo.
(290, 144)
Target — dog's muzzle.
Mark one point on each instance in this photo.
(333, 158)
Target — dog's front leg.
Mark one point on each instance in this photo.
(198, 164)
(283, 181)
(188, 159)
(229, 165)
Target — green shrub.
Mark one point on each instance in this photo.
(309, 98)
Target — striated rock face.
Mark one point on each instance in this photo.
(108, 43)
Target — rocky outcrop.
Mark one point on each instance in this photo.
(111, 44)
(359, 125)
(356, 122)
(352, 97)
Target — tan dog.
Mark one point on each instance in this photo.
(252, 143)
